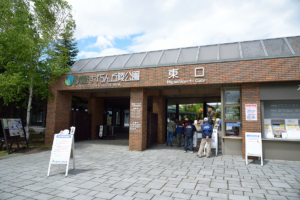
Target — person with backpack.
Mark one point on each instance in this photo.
(171, 127)
(206, 130)
(189, 130)
(179, 132)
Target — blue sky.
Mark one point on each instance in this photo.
(125, 26)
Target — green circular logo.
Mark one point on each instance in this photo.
(69, 80)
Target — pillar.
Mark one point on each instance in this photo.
(250, 95)
(95, 108)
(159, 104)
(204, 109)
(177, 111)
(58, 114)
(138, 119)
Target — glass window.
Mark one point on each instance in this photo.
(232, 113)
(126, 118)
(118, 117)
(232, 129)
(232, 97)
(282, 119)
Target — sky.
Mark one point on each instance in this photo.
(113, 27)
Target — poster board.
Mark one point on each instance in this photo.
(214, 141)
(253, 145)
(61, 151)
(251, 112)
(12, 129)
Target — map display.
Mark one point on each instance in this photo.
(15, 127)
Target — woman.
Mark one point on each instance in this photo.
(179, 132)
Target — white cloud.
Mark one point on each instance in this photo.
(180, 23)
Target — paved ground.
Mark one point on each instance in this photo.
(108, 170)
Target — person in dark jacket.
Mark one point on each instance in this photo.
(206, 130)
(179, 132)
(189, 131)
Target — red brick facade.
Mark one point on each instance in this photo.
(155, 82)
(250, 95)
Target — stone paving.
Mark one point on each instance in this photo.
(108, 170)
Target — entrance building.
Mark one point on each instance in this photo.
(257, 83)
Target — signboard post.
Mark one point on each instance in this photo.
(61, 151)
(253, 146)
(214, 141)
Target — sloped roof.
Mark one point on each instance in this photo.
(246, 50)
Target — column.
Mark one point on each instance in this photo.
(138, 119)
(95, 108)
(58, 114)
(177, 111)
(250, 95)
(159, 107)
(204, 109)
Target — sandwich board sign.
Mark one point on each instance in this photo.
(214, 141)
(253, 146)
(61, 151)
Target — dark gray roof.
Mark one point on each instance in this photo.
(246, 50)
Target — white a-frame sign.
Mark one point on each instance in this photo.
(61, 151)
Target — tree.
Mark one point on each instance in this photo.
(67, 47)
(29, 31)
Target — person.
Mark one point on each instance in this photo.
(206, 130)
(220, 123)
(179, 132)
(186, 120)
(171, 129)
(189, 130)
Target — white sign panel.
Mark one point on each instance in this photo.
(214, 141)
(195, 139)
(293, 130)
(61, 151)
(253, 146)
(251, 112)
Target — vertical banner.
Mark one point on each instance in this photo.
(195, 139)
(101, 131)
(253, 146)
(251, 112)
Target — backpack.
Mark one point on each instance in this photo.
(210, 121)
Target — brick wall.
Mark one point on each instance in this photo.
(250, 95)
(159, 103)
(95, 108)
(138, 119)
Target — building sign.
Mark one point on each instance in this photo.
(104, 80)
(251, 112)
(69, 80)
(174, 74)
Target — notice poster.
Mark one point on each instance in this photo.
(268, 128)
(251, 112)
(61, 149)
(292, 128)
(5, 125)
(278, 128)
(15, 127)
(253, 144)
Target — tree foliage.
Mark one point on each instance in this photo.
(29, 31)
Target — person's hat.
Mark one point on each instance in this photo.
(186, 119)
(205, 119)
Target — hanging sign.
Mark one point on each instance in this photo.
(251, 112)
(253, 146)
(61, 151)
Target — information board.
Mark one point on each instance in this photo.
(61, 151)
(253, 146)
(15, 127)
(100, 130)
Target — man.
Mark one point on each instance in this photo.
(206, 130)
(171, 129)
(189, 130)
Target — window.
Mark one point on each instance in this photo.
(281, 119)
(232, 112)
